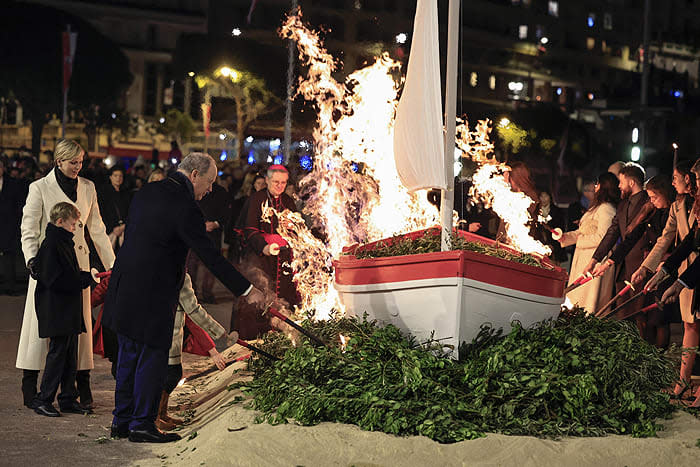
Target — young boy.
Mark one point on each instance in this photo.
(59, 310)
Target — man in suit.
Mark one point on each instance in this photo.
(631, 185)
(12, 195)
(164, 223)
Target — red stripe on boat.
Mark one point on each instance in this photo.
(439, 265)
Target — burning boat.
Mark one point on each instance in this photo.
(448, 295)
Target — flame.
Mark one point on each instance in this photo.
(355, 122)
(343, 342)
(491, 188)
(568, 304)
(354, 125)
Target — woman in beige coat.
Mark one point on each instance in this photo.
(681, 218)
(61, 185)
(592, 228)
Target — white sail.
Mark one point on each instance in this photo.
(418, 135)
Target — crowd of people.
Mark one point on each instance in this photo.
(144, 227)
(158, 234)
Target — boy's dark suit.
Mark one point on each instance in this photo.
(59, 310)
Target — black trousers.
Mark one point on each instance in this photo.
(61, 368)
(9, 282)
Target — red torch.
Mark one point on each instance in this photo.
(621, 293)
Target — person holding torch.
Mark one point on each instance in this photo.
(268, 251)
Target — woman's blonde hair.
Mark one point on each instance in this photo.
(67, 150)
(156, 173)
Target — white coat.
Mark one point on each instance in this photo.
(592, 228)
(43, 195)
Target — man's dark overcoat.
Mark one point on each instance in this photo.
(164, 223)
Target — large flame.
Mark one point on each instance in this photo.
(492, 190)
(355, 126)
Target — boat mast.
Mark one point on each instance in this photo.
(448, 194)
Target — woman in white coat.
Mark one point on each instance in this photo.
(592, 228)
(61, 184)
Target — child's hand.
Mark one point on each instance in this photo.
(217, 358)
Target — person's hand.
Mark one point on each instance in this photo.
(217, 358)
(33, 269)
(589, 267)
(639, 275)
(600, 269)
(118, 230)
(671, 294)
(211, 226)
(266, 250)
(255, 297)
(474, 226)
(655, 280)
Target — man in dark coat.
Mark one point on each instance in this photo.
(631, 179)
(164, 222)
(13, 192)
(248, 319)
(59, 310)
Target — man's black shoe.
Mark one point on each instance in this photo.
(76, 408)
(119, 432)
(152, 435)
(48, 410)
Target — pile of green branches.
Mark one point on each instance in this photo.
(573, 376)
(430, 242)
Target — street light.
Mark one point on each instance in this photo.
(544, 40)
(236, 32)
(229, 73)
(401, 38)
(190, 74)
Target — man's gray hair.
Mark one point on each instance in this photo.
(196, 161)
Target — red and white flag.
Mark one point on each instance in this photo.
(70, 41)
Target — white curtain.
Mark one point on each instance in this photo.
(418, 131)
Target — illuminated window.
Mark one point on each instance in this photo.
(607, 21)
(473, 79)
(522, 31)
(492, 82)
(553, 8)
(590, 43)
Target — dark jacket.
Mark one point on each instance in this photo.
(645, 234)
(114, 205)
(689, 244)
(58, 295)
(164, 223)
(626, 211)
(12, 197)
(215, 207)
